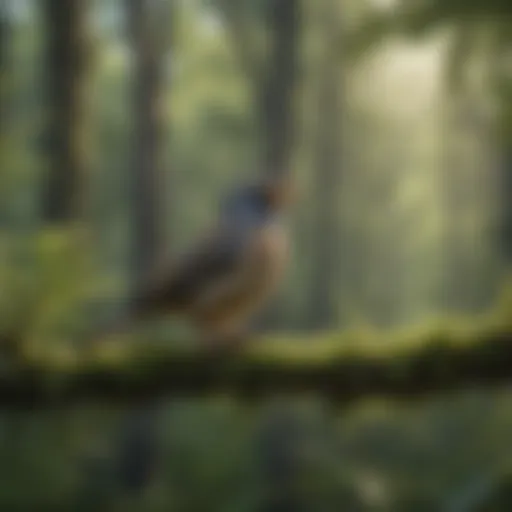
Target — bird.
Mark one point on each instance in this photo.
(226, 277)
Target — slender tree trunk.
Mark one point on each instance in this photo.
(66, 65)
(5, 71)
(139, 437)
(5, 38)
(326, 181)
(502, 88)
(505, 241)
(276, 94)
(454, 251)
(147, 133)
(468, 175)
(275, 97)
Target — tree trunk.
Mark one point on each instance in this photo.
(66, 60)
(506, 223)
(5, 70)
(469, 175)
(278, 86)
(453, 166)
(139, 437)
(502, 84)
(276, 111)
(5, 36)
(147, 132)
(275, 97)
(326, 182)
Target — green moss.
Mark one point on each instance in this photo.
(435, 357)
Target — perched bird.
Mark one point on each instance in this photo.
(226, 278)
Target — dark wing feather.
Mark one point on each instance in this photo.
(210, 261)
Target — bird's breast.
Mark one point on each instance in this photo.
(270, 252)
(259, 275)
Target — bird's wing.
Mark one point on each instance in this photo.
(250, 282)
(214, 259)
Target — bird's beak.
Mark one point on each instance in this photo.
(281, 192)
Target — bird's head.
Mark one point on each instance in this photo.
(261, 201)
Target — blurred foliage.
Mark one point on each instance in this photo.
(45, 283)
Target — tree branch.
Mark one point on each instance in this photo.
(342, 369)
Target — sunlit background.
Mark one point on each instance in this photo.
(400, 145)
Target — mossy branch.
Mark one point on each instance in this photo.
(342, 368)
